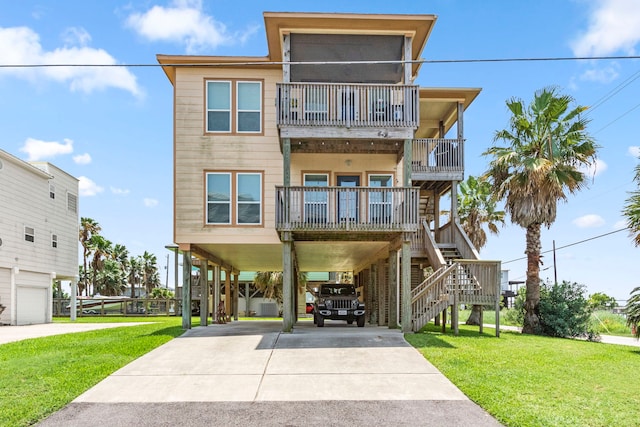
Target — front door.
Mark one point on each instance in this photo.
(348, 199)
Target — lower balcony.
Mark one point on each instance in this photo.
(346, 213)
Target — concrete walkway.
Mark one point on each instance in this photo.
(251, 374)
(18, 333)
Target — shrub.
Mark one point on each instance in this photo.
(565, 312)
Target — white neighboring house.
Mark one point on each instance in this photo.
(38, 237)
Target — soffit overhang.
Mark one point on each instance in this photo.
(441, 105)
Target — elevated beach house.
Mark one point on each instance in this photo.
(325, 156)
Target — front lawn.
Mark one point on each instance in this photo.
(40, 376)
(525, 380)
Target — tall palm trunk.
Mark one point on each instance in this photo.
(532, 309)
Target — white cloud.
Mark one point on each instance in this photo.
(21, 46)
(119, 191)
(38, 150)
(589, 221)
(76, 36)
(184, 22)
(88, 187)
(601, 75)
(594, 169)
(634, 151)
(620, 224)
(614, 26)
(150, 203)
(82, 159)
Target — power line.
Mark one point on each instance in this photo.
(571, 244)
(254, 63)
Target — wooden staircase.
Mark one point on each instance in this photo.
(456, 280)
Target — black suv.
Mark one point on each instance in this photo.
(338, 301)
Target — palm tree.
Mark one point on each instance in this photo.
(88, 228)
(547, 145)
(151, 277)
(633, 312)
(631, 209)
(270, 284)
(101, 248)
(110, 279)
(135, 274)
(476, 208)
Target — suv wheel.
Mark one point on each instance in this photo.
(320, 321)
(360, 321)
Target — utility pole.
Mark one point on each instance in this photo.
(555, 271)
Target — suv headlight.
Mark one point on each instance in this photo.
(329, 304)
(354, 303)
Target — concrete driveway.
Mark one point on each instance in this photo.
(251, 374)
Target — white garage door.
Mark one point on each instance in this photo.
(32, 306)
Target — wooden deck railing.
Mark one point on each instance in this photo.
(438, 155)
(366, 209)
(347, 105)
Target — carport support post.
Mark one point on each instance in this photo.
(236, 296)
(204, 292)
(373, 285)
(216, 292)
(74, 293)
(406, 284)
(287, 282)
(186, 289)
(393, 289)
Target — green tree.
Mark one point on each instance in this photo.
(601, 301)
(110, 280)
(161, 293)
(564, 311)
(547, 144)
(88, 228)
(136, 272)
(633, 312)
(477, 209)
(270, 284)
(101, 249)
(631, 210)
(151, 276)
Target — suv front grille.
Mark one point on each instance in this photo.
(341, 303)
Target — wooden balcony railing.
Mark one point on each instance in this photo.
(347, 105)
(438, 155)
(365, 209)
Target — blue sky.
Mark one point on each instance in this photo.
(112, 128)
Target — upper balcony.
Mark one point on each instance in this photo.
(437, 159)
(356, 111)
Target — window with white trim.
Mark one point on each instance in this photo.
(234, 198)
(54, 240)
(234, 106)
(52, 191)
(29, 234)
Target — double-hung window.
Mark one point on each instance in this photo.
(234, 106)
(234, 198)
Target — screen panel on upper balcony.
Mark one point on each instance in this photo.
(346, 48)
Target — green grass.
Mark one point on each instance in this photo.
(40, 376)
(525, 380)
(604, 322)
